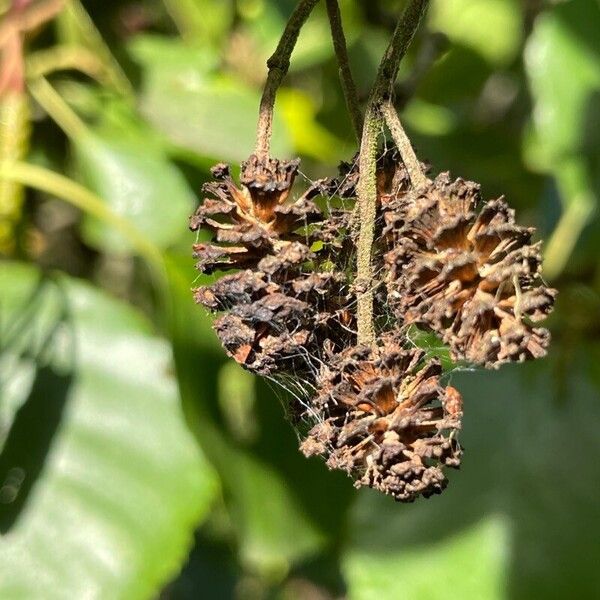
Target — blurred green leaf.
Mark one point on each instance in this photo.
(518, 520)
(563, 65)
(309, 137)
(214, 116)
(202, 19)
(75, 27)
(134, 177)
(430, 119)
(467, 565)
(109, 505)
(575, 184)
(493, 28)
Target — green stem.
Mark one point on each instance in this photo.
(60, 112)
(278, 65)
(367, 185)
(402, 141)
(75, 26)
(367, 211)
(347, 81)
(57, 185)
(579, 205)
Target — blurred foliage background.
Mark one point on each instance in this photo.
(137, 461)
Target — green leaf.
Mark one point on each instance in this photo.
(518, 520)
(309, 137)
(212, 116)
(75, 27)
(162, 55)
(493, 28)
(134, 177)
(470, 564)
(100, 482)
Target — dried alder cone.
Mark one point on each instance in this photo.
(283, 300)
(386, 420)
(451, 264)
(464, 269)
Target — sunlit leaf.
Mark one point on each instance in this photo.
(212, 116)
(138, 183)
(309, 137)
(469, 565)
(493, 28)
(563, 65)
(202, 19)
(101, 485)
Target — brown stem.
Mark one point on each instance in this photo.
(341, 52)
(409, 158)
(402, 37)
(367, 184)
(12, 68)
(278, 65)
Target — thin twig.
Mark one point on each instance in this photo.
(66, 57)
(278, 66)
(58, 110)
(409, 158)
(367, 185)
(346, 79)
(402, 37)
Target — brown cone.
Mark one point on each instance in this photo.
(452, 264)
(283, 299)
(383, 417)
(466, 271)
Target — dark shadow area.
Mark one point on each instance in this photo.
(28, 443)
(27, 333)
(210, 567)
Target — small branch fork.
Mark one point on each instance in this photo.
(380, 110)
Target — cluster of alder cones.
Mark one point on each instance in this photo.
(446, 262)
